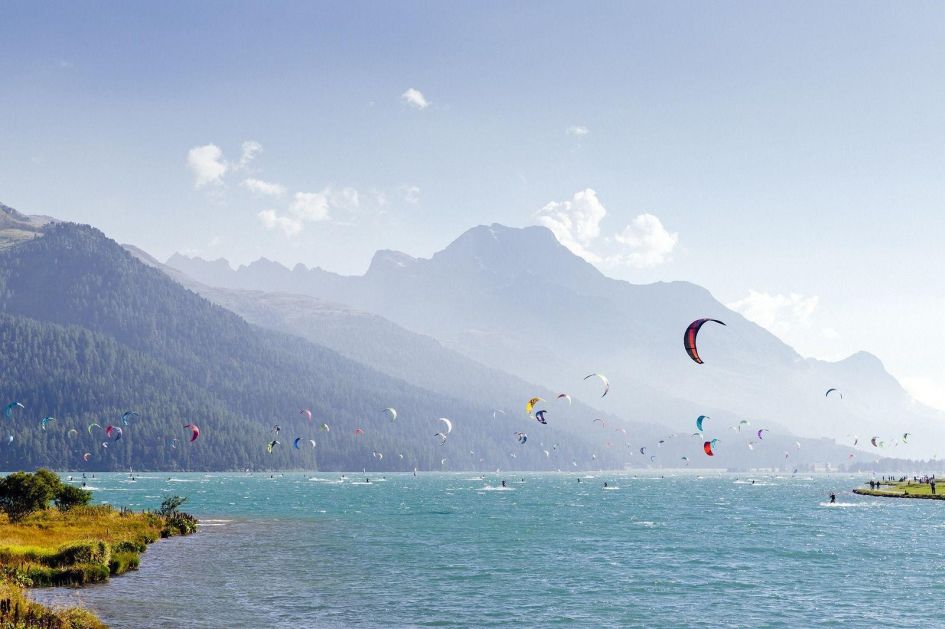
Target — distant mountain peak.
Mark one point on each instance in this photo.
(507, 251)
(864, 361)
(386, 260)
(266, 264)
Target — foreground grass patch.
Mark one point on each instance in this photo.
(17, 611)
(85, 544)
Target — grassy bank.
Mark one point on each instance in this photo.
(81, 545)
(903, 490)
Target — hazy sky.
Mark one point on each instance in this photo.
(789, 157)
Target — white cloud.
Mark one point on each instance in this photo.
(316, 206)
(250, 149)
(411, 194)
(779, 314)
(263, 188)
(208, 166)
(271, 220)
(575, 223)
(577, 130)
(649, 242)
(310, 206)
(206, 163)
(415, 99)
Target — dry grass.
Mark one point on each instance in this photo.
(48, 530)
(82, 545)
(17, 611)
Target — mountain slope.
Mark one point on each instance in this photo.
(517, 299)
(235, 374)
(423, 361)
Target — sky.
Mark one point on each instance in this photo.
(788, 156)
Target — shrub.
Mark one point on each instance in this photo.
(179, 524)
(171, 504)
(122, 562)
(40, 576)
(129, 546)
(82, 573)
(95, 551)
(51, 479)
(70, 496)
(21, 494)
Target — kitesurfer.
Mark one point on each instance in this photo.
(605, 484)
(833, 498)
(503, 483)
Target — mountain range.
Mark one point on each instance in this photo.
(88, 332)
(89, 328)
(517, 300)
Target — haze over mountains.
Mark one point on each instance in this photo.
(517, 300)
(88, 330)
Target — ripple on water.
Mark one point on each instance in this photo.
(286, 552)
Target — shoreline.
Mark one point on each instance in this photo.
(909, 490)
(74, 548)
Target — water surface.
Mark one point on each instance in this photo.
(453, 550)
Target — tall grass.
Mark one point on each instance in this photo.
(75, 547)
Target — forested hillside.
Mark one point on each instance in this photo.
(89, 332)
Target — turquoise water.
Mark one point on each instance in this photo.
(449, 550)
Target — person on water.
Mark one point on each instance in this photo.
(833, 498)
(605, 484)
(503, 483)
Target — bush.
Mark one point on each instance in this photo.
(95, 551)
(122, 562)
(21, 493)
(82, 573)
(179, 524)
(129, 546)
(70, 496)
(40, 576)
(170, 505)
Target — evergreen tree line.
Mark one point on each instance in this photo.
(87, 332)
